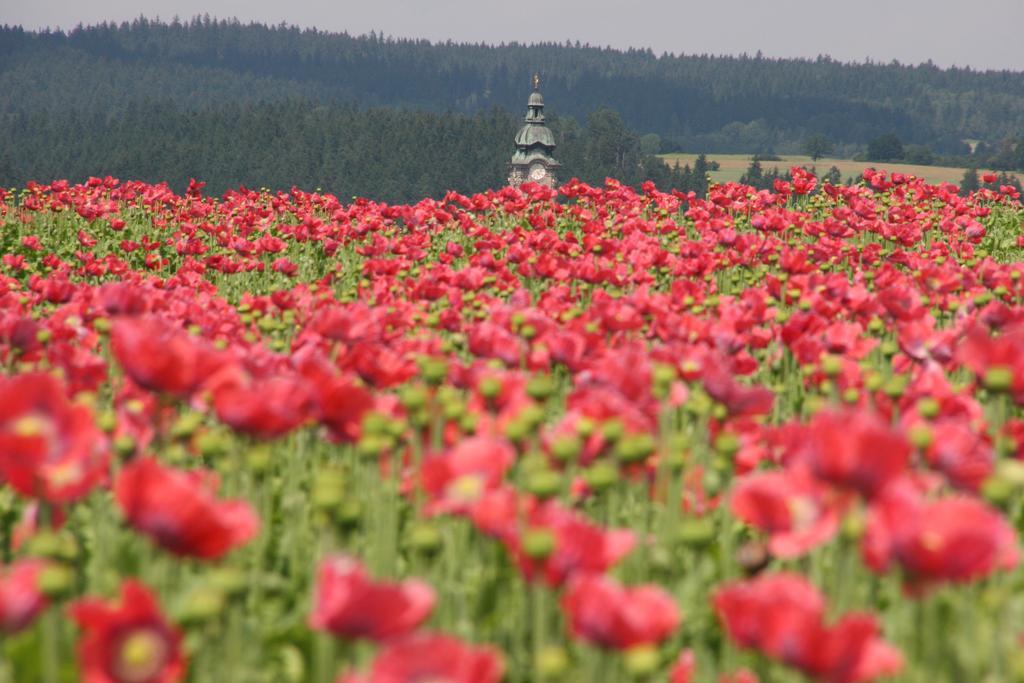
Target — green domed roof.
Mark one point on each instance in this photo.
(534, 134)
(536, 100)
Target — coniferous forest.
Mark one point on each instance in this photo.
(268, 106)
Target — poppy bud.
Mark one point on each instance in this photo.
(851, 395)
(696, 533)
(642, 661)
(998, 378)
(200, 605)
(601, 476)
(585, 427)
(854, 525)
(45, 543)
(107, 421)
(434, 370)
(186, 425)
(612, 430)
(533, 416)
(566, 447)
(727, 444)
(213, 444)
(124, 446)
(713, 482)
(43, 336)
(921, 436)
(413, 397)
(452, 410)
(257, 459)
(540, 387)
(516, 430)
(489, 387)
(544, 483)
(997, 490)
(232, 582)
(831, 365)
(328, 489)
(551, 663)
(56, 581)
(425, 539)
(350, 514)
(538, 544)
(888, 348)
(895, 386)
(929, 408)
(635, 448)
(293, 666)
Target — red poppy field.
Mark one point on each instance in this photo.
(590, 435)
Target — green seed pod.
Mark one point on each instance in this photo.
(544, 483)
(489, 387)
(540, 387)
(124, 446)
(696, 532)
(413, 397)
(434, 370)
(727, 444)
(831, 365)
(998, 378)
(231, 581)
(186, 425)
(425, 539)
(921, 436)
(929, 408)
(328, 489)
(566, 448)
(601, 476)
(538, 544)
(641, 661)
(350, 514)
(56, 581)
(200, 605)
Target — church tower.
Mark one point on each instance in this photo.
(533, 161)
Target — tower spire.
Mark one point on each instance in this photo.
(532, 159)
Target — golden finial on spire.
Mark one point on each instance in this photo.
(536, 81)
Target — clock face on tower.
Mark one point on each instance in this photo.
(537, 173)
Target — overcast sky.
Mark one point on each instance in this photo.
(978, 33)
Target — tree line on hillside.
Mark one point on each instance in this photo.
(386, 154)
(697, 102)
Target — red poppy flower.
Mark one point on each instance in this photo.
(474, 466)
(957, 538)
(738, 399)
(855, 450)
(50, 448)
(963, 455)
(348, 604)
(796, 510)
(20, 599)
(579, 545)
(684, 668)
(178, 510)
(604, 613)
(130, 642)
(782, 615)
(433, 658)
(162, 358)
(266, 408)
(341, 404)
